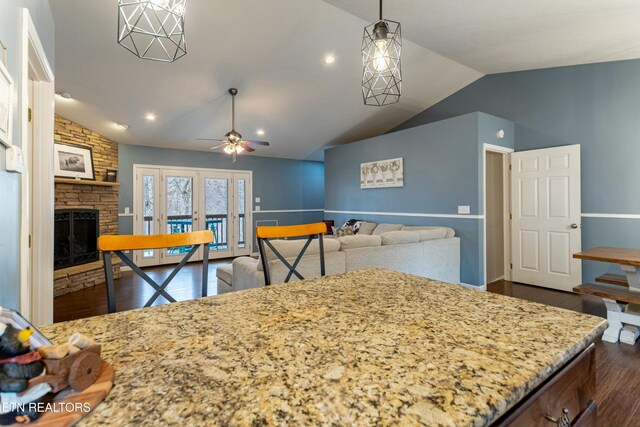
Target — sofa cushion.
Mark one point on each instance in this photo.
(436, 232)
(359, 241)
(367, 228)
(397, 237)
(291, 248)
(225, 272)
(384, 228)
(347, 230)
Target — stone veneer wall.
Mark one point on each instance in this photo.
(87, 196)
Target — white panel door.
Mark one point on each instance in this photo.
(545, 208)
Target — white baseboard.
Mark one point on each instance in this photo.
(477, 288)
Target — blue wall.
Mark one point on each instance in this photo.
(595, 105)
(281, 184)
(442, 170)
(10, 34)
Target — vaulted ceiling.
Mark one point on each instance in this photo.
(274, 51)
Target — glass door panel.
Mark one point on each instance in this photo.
(243, 217)
(146, 210)
(180, 212)
(216, 200)
(149, 210)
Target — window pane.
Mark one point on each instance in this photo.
(242, 223)
(216, 200)
(149, 210)
(179, 208)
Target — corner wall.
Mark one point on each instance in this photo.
(443, 168)
(594, 105)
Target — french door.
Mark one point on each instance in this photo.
(178, 200)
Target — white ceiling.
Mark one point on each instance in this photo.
(273, 52)
(494, 36)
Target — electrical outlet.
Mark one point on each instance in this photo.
(256, 208)
(464, 210)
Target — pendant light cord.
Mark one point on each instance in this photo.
(381, 10)
(233, 112)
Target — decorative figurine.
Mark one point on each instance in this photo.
(18, 364)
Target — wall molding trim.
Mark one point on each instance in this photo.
(476, 288)
(411, 214)
(288, 211)
(613, 216)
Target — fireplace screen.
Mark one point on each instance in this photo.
(75, 237)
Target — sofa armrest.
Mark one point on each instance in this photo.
(246, 274)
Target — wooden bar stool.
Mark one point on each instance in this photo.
(119, 244)
(266, 233)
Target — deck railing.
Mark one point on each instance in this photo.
(216, 223)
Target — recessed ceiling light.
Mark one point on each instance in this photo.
(65, 95)
(150, 116)
(260, 132)
(121, 126)
(329, 59)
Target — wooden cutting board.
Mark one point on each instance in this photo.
(93, 395)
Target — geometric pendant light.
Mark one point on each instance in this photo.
(382, 72)
(152, 29)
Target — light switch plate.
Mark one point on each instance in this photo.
(257, 199)
(464, 210)
(14, 159)
(256, 208)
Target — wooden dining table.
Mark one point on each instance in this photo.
(619, 292)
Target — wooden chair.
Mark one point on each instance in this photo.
(119, 244)
(266, 233)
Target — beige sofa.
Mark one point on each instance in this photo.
(432, 252)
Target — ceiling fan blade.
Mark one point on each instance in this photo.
(247, 148)
(218, 146)
(265, 143)
(209, 139)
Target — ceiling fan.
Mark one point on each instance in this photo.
(233, 143)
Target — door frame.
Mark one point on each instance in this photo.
(36, 298)
(506, 200)
(248, 195)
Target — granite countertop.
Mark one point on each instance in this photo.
(362, 348)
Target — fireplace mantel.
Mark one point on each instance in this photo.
(85, 182)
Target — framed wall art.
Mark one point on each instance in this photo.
(73, 161)
(382, 174)
(6, 100)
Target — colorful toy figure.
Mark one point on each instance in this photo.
(18, 364)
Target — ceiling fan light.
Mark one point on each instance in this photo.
(239, 149)
(229, 149)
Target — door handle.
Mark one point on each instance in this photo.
(574, 226)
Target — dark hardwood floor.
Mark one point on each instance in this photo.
(618, 365)
(133, 292)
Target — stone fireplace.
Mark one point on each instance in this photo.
(89, 208)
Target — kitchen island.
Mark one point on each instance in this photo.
(362, 348)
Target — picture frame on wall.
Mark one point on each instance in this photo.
(382, 174)
(6, 101)
(73, 161)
